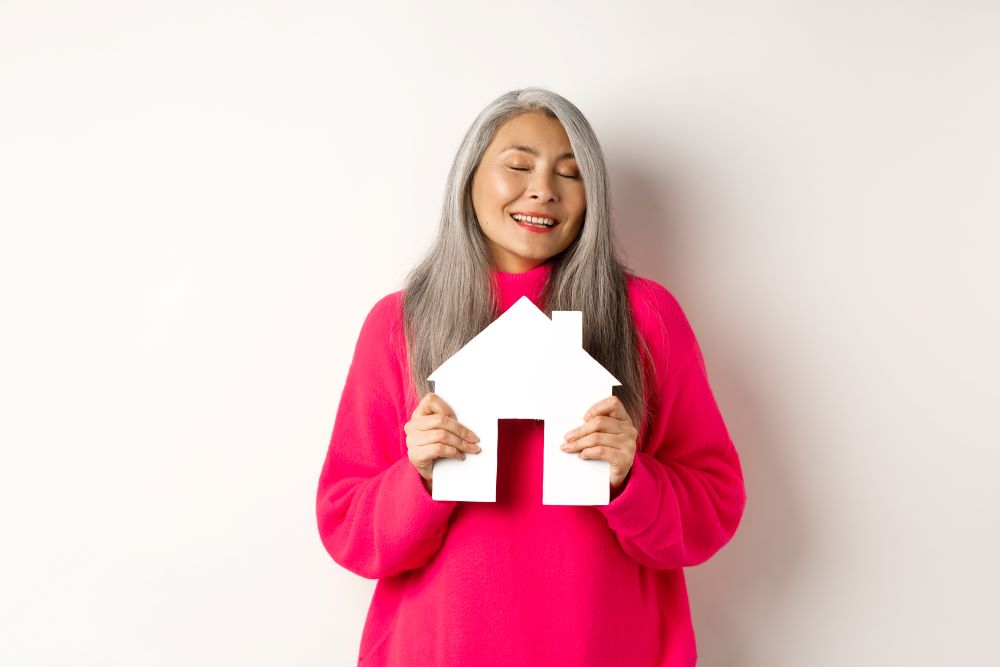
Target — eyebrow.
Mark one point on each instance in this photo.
(532, 151)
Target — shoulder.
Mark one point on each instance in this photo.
(384, 322)
(659, 317)
(387, 308)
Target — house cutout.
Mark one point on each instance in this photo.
(524, 365)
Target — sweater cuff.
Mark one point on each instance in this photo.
(417, 501)
(637, 506)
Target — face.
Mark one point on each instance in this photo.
(528, 168)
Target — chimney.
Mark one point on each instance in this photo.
(567, 325)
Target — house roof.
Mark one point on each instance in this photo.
(523, 334)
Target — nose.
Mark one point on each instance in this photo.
(541, 187)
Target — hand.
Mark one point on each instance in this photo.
(433, 433)
(607, 434)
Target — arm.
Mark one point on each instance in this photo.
(684, 495)
(375, 515)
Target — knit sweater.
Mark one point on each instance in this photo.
(516, 582)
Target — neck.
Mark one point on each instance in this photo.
(517, 265)
(512, 285)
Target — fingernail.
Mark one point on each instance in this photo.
(475, 438)
(565, 446)
(462, 456)
(569, 434)
(478, 449)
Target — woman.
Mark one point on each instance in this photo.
(516, 582)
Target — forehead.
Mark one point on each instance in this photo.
(532, 134)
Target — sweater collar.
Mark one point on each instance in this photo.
(512, 286)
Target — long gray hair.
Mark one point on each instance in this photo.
(448, 297)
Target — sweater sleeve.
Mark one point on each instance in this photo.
(684, 495)
(374, 514)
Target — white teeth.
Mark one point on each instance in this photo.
(541, 222)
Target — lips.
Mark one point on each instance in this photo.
(534, 229)
(554, 221)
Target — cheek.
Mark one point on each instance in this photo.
(577, 203)
(503, 186)
(492, 192)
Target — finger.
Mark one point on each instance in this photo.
(599, 424)
(611, 406)
(612, 455)
(445, 437)
(437, 450)
(599, 439)
(597, 452)
(432, 403)
(592, 453)
(615, 458)
(440, 420)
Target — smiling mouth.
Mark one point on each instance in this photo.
(534, 222)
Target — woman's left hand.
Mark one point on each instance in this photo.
(607, 434)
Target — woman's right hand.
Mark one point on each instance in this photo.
(433, 433)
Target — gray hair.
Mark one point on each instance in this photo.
(448, 296)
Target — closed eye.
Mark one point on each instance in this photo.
(563, 175)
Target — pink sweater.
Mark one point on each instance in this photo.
(516, 582)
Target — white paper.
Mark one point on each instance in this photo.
(524, 366)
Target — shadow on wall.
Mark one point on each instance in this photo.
(657, 228)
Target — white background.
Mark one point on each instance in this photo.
(200, 201)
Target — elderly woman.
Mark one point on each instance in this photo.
(516, 582)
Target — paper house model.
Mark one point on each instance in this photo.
(524, 366)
